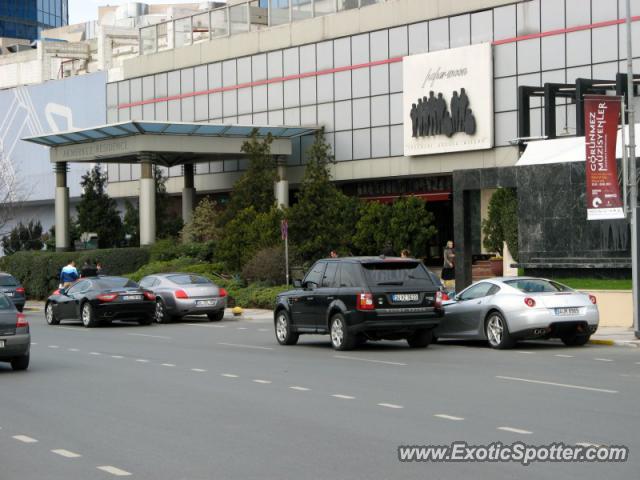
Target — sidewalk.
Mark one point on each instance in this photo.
(615, 336)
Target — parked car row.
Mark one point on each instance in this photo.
(372, 298)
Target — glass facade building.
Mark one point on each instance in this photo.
(27, 18)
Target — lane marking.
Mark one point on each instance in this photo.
(603, 359)
(562, 355)
(300, 389)
(204, 325)
(149, 336)
(54, 346)
(588, 444)
(515, 430)
(390, 405)
(25, 439)
(526, 352)
(114, 471)
(384, 362)
(229, 375)
(449, 417)
(244, 346)
(265, 382)
(168, 364)
(95, 353)
(73, 349)
(66, 453)
(142, 360)
(199, 370)
(117, 356)
(343, 397)
(241, 328)
(553, 384)
(34, 343)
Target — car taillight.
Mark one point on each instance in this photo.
(222, 292)
(181, 294)
(20, 290)
(365, 302)
(21, 321)
(107, 297)
(445, 296)
(149, 296)
(437, 302)
(593, 299)
(529, 302)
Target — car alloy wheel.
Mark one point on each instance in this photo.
(337, 332)
(87, 315)
(161, 312)
(49, 315)
(282, 328)
(495, 330)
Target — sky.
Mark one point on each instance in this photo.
(86, 10)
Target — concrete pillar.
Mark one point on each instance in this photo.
(63, 239)
(188, 192)
(147, 200)
(281, 186)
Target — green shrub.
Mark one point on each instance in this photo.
(267, 266)
(174, 265)
(165, 249)
(39, 271)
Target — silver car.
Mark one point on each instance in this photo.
(180, 294)
(505, 310)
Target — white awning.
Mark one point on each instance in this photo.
(562, 150)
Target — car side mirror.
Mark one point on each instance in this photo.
(457, 298)
(297, 283)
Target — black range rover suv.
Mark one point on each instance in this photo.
(356, 299)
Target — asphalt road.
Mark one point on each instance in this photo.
(199, 400)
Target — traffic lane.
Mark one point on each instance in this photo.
(239, 429)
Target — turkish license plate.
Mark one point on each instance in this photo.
(8, 294)
(568, 311)
(206, 303)
(1, 343)
(405, 297)
(131, 297)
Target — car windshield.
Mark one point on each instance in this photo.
(5, 303)
(410, 274)
(8, 281)
(537, 285)
(115, 282)
(188, 279)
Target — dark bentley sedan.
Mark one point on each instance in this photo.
(101, 299)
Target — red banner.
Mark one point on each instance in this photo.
(601, 115)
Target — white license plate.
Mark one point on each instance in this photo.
(1, 343)
(568, 311)
(206, 303)
(131, 297)
(405, 297)
(9, 294)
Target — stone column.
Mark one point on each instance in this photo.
(281, 186)
(147, 200)
(188, 192)
(63, 240)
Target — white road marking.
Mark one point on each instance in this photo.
(117, 356)
(300, 389)
(54, 346)
(603, 359)
(114, 471)
(527, 352)
(588, 444)
(25, 439)
(553, 384)
(562, 355)
(384, 362)
(244, 346)
(73, 349)
(95, 353)
(229, 375)
(390, 405)
(515, 430)
(168, 364)
(343, 397)
(66, 453)
(34, 343)
(448, 417)
(637, 363)
(242, 328)
(199, 370)
(142, 360)
(149, 336)
(262, 381)
(204, 325)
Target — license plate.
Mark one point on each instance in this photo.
(206, 303)
(131, 297)
(8, 294)
(568, 311)
(405, 297)
(1, 343)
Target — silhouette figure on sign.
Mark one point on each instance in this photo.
(462, 109)
(414, 120)
(430, 116)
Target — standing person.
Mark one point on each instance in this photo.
(88, 270)
(448, 267)
(333, 254)
(68, 274)
(98, 268)
(405, 253)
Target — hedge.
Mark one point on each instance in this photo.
(39, 271)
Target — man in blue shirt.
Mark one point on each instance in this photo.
(68, 274)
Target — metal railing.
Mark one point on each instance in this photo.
(247, 16)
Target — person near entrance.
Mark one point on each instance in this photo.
(448, 267)
(68, 274)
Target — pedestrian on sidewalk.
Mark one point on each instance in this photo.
(68, 274)
(448, 267)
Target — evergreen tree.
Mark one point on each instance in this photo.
(23, 237)
(97, 212)
(203, 225)
(411, 226)
(167, 224)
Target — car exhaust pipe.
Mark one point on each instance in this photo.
(539, 331)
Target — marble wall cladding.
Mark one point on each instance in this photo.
(476, 222)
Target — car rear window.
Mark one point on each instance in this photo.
(537, 285)
(115, 282)
(8, 281)
(188, 279)
(408, 274)
(5, 303)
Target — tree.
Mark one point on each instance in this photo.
(11, 191)
(324, 218)
(372, 228)
(167, 225)
(203, 226)
(23, 237)
(97, 212)
(501, 224)
(132, 223)
(255, 187)
(411, 225)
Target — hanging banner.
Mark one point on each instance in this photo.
(601, 115)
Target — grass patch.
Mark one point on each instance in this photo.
(595, 283)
